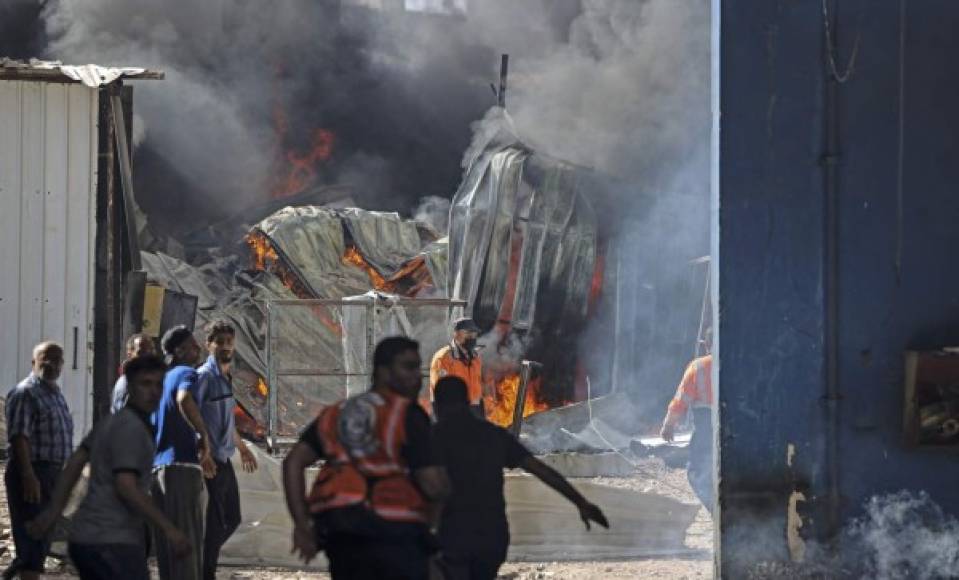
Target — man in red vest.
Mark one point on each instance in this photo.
(372, 502)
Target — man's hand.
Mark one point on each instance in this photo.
(31, 487)
(40, 526)
(667, 433)
(248, 459)
(589, 512)
(179, 543)
(304, 542)
(206, 458)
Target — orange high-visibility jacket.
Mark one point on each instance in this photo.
(447, 362)
(694, 391)
(362, 439)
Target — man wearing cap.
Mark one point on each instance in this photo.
(460, 359)
(182, 457)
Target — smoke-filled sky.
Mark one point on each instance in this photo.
(617, 85)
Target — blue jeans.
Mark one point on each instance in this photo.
(110, 561)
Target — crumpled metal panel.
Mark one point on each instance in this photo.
(437, 262)
(385, 240)
(471, 223)
(507, 192)
(506, 174)
(310, 241)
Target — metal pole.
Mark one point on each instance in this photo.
(370, 334)
(503, 72)
(272, 416)
(525, 375)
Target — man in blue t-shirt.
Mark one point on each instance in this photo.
(182, 456)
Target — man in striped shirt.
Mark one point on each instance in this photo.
(40, 434)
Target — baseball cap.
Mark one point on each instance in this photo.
(466, 324)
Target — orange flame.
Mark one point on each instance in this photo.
(266, 259)
(261, 387)
(301, 166)
(499, 408)
(354, 257)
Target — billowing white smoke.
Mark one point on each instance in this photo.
(906, 535)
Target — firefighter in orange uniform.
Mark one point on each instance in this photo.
(460, 359)
(372, 502)
(695, 394)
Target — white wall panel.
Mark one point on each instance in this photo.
(48, 146)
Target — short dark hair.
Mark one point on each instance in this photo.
(143, 364)
(218, 327)
(174, 338)
(451, 392)
(389, 348)
(135, 337)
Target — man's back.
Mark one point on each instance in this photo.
(474, 453)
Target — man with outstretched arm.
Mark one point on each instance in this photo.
(473, 531)
(106, 535)
(370, 506)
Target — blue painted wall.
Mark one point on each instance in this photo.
(898, 283)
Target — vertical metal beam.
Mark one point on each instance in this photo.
(271, 395)
(503, 73)
(830, 164)
(525, 376)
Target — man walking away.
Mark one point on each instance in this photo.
(40, 434)
(137, 345)
(182, 457)
(370, 505)
(217, 406)
(474, 533)
(106, 535)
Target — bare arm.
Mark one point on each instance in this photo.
(40, 526)
(246, 456)
(125, 484)
(191, 412)
(68, 479)
(300, 457)
(552, 478)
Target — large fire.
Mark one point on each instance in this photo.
(301, 165)
(499, 408)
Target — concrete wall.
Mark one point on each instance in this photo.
(897, 212)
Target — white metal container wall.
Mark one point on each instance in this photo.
(48, 161)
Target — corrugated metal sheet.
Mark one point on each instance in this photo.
(48, 146)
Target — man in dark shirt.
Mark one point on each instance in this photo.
(473, 531)
(106, 535)
(370, 502)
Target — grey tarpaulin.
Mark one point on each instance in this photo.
(384, 239)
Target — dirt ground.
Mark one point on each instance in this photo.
(651, 476)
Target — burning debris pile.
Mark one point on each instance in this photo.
(526, 256)
(311, 252)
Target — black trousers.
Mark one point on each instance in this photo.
(383, 558)
(222, 515)
(110, 561)
(31, 553)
